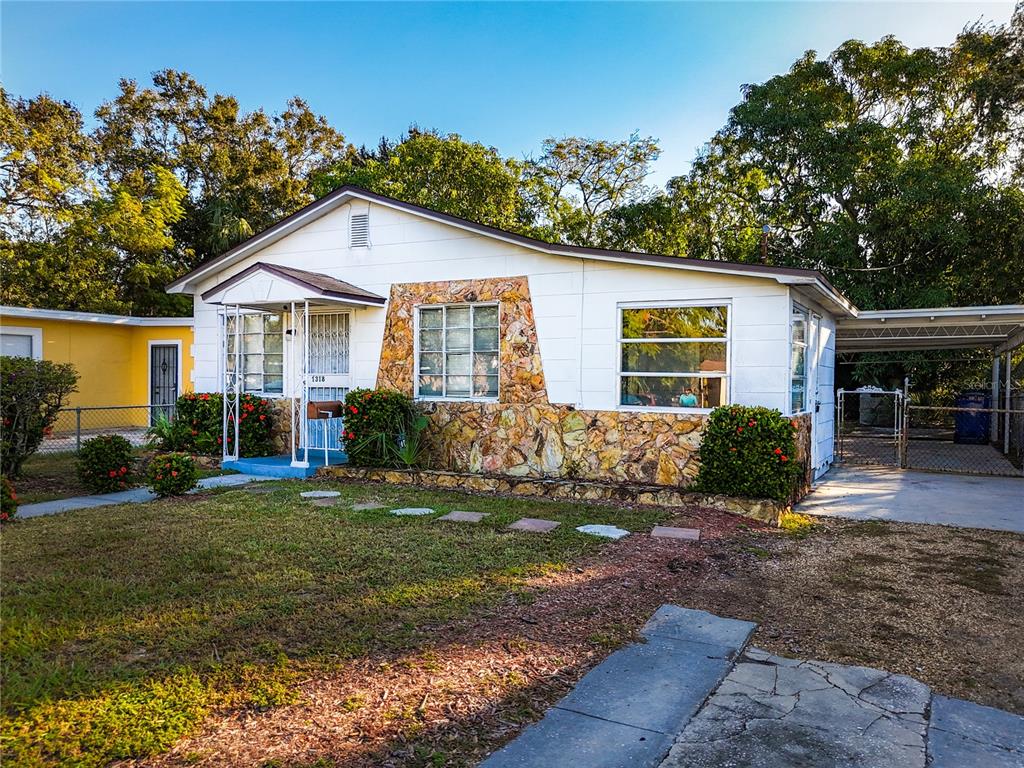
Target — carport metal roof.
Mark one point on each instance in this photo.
(999, 328)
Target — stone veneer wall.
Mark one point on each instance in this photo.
(559, 441)
(520, 374)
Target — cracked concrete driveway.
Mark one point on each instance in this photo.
(772, 711)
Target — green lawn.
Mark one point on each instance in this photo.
(48, 476)
(124, 626)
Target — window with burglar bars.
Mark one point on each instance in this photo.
(457, 352)
(329, 343)
(262, 352)
(673, 356)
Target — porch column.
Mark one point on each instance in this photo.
(1007, 402)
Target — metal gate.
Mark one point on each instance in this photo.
(869, 426)
(163, 380)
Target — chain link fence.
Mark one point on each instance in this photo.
(76, 425)
(967, 440)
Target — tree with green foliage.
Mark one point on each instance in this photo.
(442, 172)
(579, 182)
(32, 392)
(897, 172)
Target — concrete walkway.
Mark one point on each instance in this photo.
(908, 496)
(131, 496)
(694, 696)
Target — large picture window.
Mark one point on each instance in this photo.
(798, 361)
(674, 357)
(262, 337)
(457, 352)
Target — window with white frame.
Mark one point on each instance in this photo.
(457, 351)
(674, 356)
(798, 368)
(262, 352)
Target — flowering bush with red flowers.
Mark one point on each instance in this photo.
(105, 463)
(748, 451)
(199, 416)
(376, 423)
(172, 474)
(8, 500)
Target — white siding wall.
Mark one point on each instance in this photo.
(574, 302)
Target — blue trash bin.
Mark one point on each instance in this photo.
(972, 427)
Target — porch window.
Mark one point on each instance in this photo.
(674, 356)
(262, 338)
(457, 352)
(798, 361)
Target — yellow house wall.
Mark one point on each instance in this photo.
(112, 363)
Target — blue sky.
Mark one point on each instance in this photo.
(505, 74)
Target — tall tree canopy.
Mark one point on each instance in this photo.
(899, 173)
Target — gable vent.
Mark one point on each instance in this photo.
(359, 231)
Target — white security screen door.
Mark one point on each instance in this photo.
(329, 374)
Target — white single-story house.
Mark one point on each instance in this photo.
(533, 359)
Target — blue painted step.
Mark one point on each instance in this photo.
(280, 466)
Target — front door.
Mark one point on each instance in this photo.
(163, 380)
(329, 375)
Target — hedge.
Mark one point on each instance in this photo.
(202, 414)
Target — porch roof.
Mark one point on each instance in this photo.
(999, 328)
(265, 284)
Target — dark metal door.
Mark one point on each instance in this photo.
(163, 380)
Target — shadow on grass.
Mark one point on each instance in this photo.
(124, 627)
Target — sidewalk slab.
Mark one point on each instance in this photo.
(699, 627)
(967, 734)
(657, 685)
(768, 715)
(571, 739)
(131, 496)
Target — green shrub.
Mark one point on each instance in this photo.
(32, 392)
(8, 500)
(168, 434)
(105, 463)
(748, 451)
(199, 416)
(380, 427)
(172, 474)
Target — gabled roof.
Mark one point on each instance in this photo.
(813, 279)
(314, 283)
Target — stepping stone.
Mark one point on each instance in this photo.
(604, 531)
(464, 517)
(668, 532)
(319, 494)
(329, 502)
(533, 525)
(412, 511)
(366, 506)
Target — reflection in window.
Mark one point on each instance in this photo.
(674, 357)
(458, 351)
(262, 352)
(798, 361)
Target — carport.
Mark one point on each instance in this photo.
(981, 432)
(952, 464)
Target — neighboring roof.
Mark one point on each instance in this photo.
(999, 327)
(342, 195)
(319, 284)
(34, 313)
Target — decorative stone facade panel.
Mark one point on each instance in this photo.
(559, 441)
(520, 375)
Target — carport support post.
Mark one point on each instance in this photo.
(1007, 401)
(994, 419)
